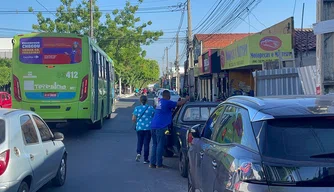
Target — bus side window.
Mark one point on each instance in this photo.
(104, 68)
(94, 64)
(99, 64)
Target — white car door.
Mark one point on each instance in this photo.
(52, 151)
(33, 150)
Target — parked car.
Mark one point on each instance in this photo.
(174, 96)
(30, 154)
(5, 100)
(265, 144)
(184, 118)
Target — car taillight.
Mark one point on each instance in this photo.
(17, 89)
(4, 159)
(84, 88)
(189, 138)
(250, 173)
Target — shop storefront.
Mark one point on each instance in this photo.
(243, 57)
(210, 74)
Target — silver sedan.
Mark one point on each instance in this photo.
(30, 154)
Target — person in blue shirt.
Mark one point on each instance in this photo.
(161, 120)
(142, 115)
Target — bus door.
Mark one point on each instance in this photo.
(96, 85)
(108, 87)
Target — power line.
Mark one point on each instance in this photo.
(45, 8)
(294, 8)
(204, 19)
(103, 11)
(179, 27)
(258, 19)
(162, 9)
(229, 18)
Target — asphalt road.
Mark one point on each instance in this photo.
(104, 160)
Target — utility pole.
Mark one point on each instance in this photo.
(167, 68)
(163, 70)
(91, 19)
(325, 45)
(191, 78)
(177, 78)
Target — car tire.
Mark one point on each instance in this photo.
(183, 165)
(24, 187)
(60, 178)
(168, 153)
(190, 185)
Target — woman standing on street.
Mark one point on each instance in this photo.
(142, 115)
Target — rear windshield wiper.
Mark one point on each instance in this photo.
(324, 155)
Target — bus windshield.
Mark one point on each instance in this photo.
(50, 50)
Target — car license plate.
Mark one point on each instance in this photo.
(50, 95)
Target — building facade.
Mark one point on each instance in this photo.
(207, 64)
(6, 48)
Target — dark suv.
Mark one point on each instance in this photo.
(265, 144)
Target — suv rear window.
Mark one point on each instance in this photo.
(198, 113)
(297, 138)
(2, 131)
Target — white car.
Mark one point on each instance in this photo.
(30, 154)
(173, 96)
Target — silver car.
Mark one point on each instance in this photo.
(173, 96)
(30, 154)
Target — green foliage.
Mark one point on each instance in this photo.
(121, 36)
(5, 62)
(5, 65)
(4, 75)
(69, 19)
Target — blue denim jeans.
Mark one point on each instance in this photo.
(158, 139)
(144, 138)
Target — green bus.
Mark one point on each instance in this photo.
(63, 78)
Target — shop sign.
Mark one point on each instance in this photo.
(206, 68)
(255, 50)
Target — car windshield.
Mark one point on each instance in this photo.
(2, 131)
(198, 113)
(298, 138)
(172, 93)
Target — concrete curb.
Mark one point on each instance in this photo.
(126, 95)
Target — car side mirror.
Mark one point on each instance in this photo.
(57, 136)
(195, 131)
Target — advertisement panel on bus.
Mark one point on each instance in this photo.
(43, 72)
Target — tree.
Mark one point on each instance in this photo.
(69, 19)
(5, 65)
(5, 62)
(120, 36)
(4, 76)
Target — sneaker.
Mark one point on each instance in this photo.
(146, 161)
(152, 166)
(138, 157)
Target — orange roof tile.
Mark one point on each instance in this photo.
(213, 41)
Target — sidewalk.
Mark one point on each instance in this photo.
(125, 95)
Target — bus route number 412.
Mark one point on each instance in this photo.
(72, 74)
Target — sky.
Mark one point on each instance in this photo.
(266, 14)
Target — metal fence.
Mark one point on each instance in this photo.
(6, 54)
(284, 81)
(307, 76)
